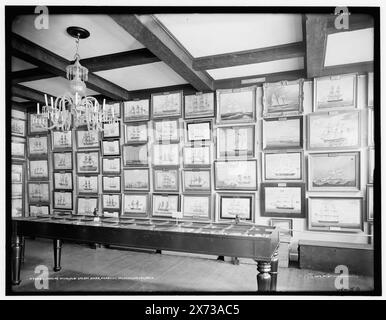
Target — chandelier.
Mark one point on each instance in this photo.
(74, 108)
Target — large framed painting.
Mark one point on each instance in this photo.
(61, 140)
(166, 180)
(198, 131)
(197, 156)
(335, 214)
(370, 89)
(136, 179)
(200, 105)
(135, 204)
(335, 92)
(87, 139)
(334, 130)
(232, 206)
(87, 184)
(283, 133)
(37, 146)
(38, 192)
(63, 200)
(235, 175)
(18, 127)
(111, 202)
(111, 165)
(235, 142)
(196, 207)
(338, 171)
(371, 161)
(136, 110)
(166, 104)
(62, 160)
(17, 206)
(135, 155)
(370, 202)
(282, 97)
(111, 184)
(87, 162)
(236, 105)
(164, 205)
(166, 131)
(18, 149)
(37, 124)
(283, 166)
(63, 181)
(166, 154)
(36, 210)
(111, 148)
(136, 133)
(87, 206)
(283, 200)
(38, 169)
(196, 180)
(111, 130)
(17, 173)
(370, 126)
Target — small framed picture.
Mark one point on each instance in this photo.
(166, 180)
(111, 184)
(38, 192)
(37, 124)
(200, 105)
(166, 154)
(236, 105)
(61, 140)
(196, 207)
(111, 165)
(18, 149)
(114, 109)
(136, 133)
(136, 179)
(167, 104)
(235, 142)
(283, 133)
(17, 173)
(197, 156)
(136, 155)
(283, 200)
(38, 169)
(17, 206)
(111, 148)
(62, 160)
(164, 205)
(88, 184)
(371, 161)
(17, 190)
(335, 92)
(136, 204)
(335, 214)
(166, 131)
(370, 89)
(18, 127)
(285, 227)
(235, 175)
(36, 210)
(137, 110)
(63, 200)
(111, 130)
(370, 202)
(338, 171)
(231, 206)
(87, 162)
(86, 206)
(63, 181)
(87, 139)
(111, 202)
(196, 180)
(283, 166)
(370, 126)
(37, 146)
(198, 131)
(18, 113)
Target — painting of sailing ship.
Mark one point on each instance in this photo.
(111, 184)
(63, 180)
(237, 105)
(283, 133)
(136, 180)
(37, 146)
(166, 180)
(63, 200)
(17, 173)
(61, 140)
(18, 127)
(111, 165)
(111, 201)
(166, 131)
(197, 156)
(333, 171)
(235, 142)
(165, 205)
(135, 204)
(198, 131)
(196, 180)
(38, 193)
(88, 162)
(136, 133)
(232, 206)
(167, 104)
(166, 154)
(62, 160)
(87, 184)
(17, 149)
(38, 169)
(87, 139)
(334, 130)
(236, 175)
(137, 110)
(335, 92)
(282, 97)
(111, 130)
(281, 166)
(136, 155)
(199, 105)
(196, 207)
(37, 125)
(86, 206)
(111, 147)
(37, 210)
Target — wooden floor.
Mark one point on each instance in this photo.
(87, 269)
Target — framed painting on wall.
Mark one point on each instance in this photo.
(166, 154)
(196, 207)
(111, 130)
(38, 210)
(17, 173)
(61, 140)
(166, 104)
(63, 200)
(285, 227)
(371, 161)
(235, 175)
(164, 205)
(87, 139)
(166, 180)
(86, 205)
(37, 125)
(87, 162)
(135, 155)
(231, 206)
(283, 166)
(235, 142)
(87, 184)
(370, 126)
(136, 179)
(18, 127)
(111, 184)
(17, 190)
(136, 110)
(370, 89)
(111, 148)
(197, 156)
(136, 133)
(166, 131)
(63, 181)
(135, 204)
(200, 105)
(370, 202)
(111, 202)
(62, 160)
(37, 146)
(196, 131)
(38, 192)
(111, 165)
(18, 149)
(114, 109)
(196, 180)
(38, 169)
(17, 206)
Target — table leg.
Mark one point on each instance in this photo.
(274, 270)
(57, 254)
(263, 277)
(17, 247)
(158, 251)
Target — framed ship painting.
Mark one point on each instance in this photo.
(38, 169)
(36, 210)
(235, 142)
(111, 202)
(18, 149)
(236, 105)
(111, 165)
(166, 180)
(38, 192)
(283, 200)
(334, 130)
(196, 180)
(111, 184)
(114, 110)
(111, 130)
(198, 131)
(87, 162)
(196, 207)
(335, 92)
(136, 204)
(63, 200)
(136, 133)
(87, 139)
(370, 202)
(17, 206)
(136, 155)
(164, 205)
(17, 173)
(283, 133)
(283, 166)
(111, 148)
(86, 206)
(200, 105)
(282, 97)
(197, 156)
(88, 184)
(371, 161)
(235, 175)
(166, 104)
(166, 154)
(166, 131)
(137, 110)
(63, 181)
(37, 124)
(232, 206)
(37, 146)
(136, 179)
(370, 89)
(61, 140)
(17, 190)
(62, 160)
(335, 214)
(338, 171)
(18, 127)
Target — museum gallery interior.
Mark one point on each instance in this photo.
(191, 152)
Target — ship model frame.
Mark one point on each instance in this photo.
(117, 170)
(87, 184)
(111, 148)
(59, 164)
(207, 137)
(20, 151)
(163, 209)
(109, 204)
(90, 162)
(185, 200)
(43, 193)
(87, 198)
(162, 187)
(134, 205)
(116, 133)
(18, 127)
(138, 129)
(136, 161)
(34, 127)
(221, 210)
(174, 135)
(237, 152)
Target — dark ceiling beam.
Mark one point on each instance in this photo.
(355, 22)
(28, 93)
(146, 93)
(153, 35)
(48, 61)
(30, 75)
(23, 105)
(285, 51)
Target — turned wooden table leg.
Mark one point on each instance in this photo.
(264, 276)
(274, 270)
(17, 247)
(57, 254)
